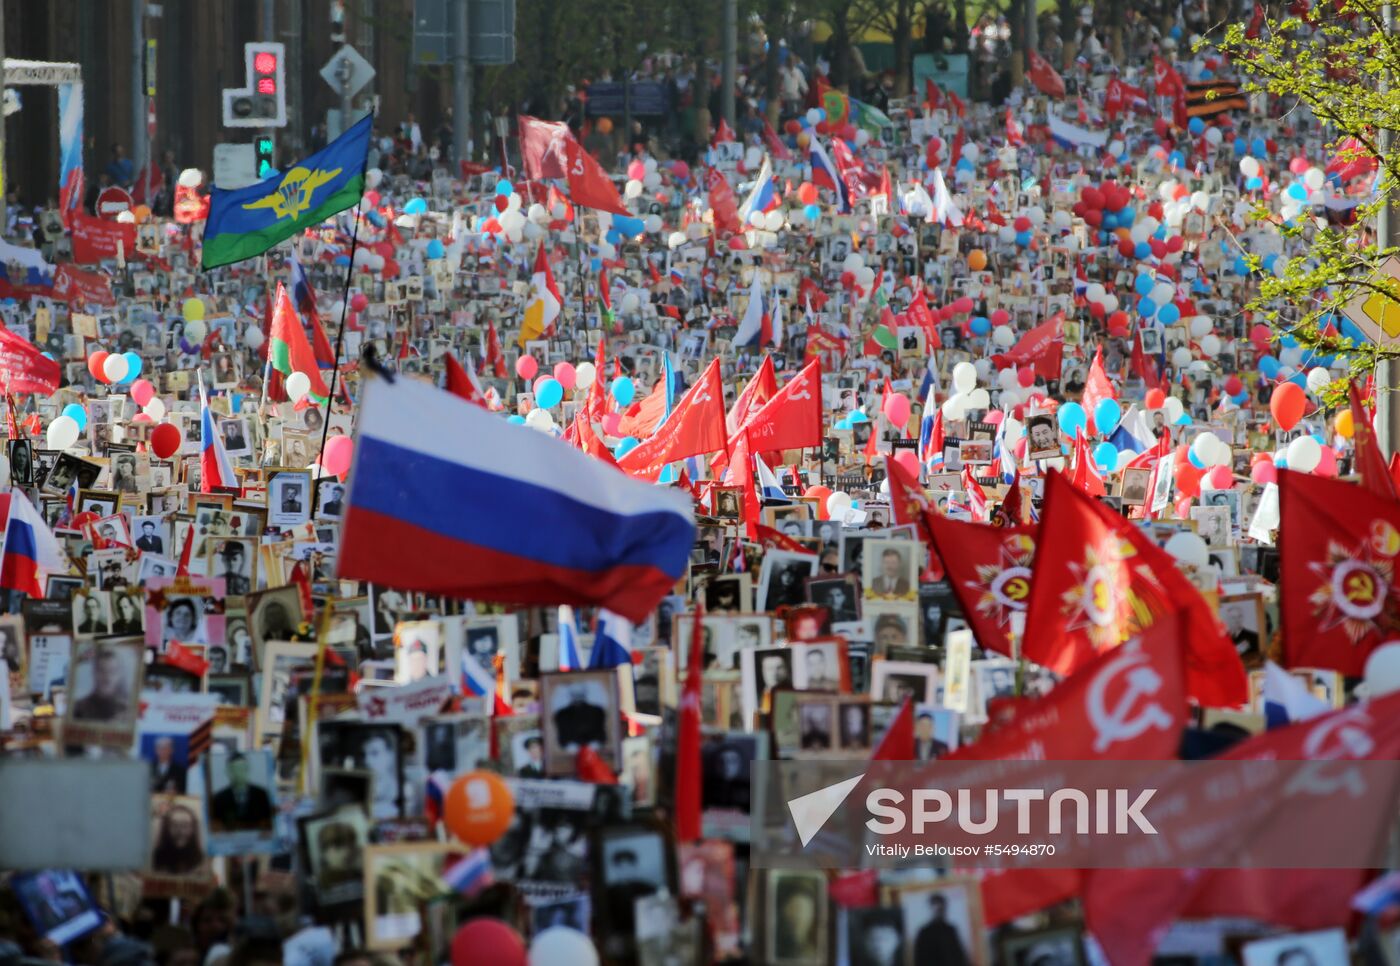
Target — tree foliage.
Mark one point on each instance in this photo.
(1341, 65)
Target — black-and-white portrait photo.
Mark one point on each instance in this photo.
(289, 499)
(783, 580)
(580, 710)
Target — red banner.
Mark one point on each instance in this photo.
(23, 368)
(96, 238)
(71, 284)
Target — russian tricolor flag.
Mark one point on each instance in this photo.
(569, 659)
(763, 197)
(447, 498)
(825, 175)
(30, 546)
(214, 466)
(612, 642)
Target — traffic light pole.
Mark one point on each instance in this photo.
(461, 81)
(138, 85)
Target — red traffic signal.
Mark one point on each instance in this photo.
(265, 62)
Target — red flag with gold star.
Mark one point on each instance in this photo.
(1338, 546)
(1099, 580)
(989, 570)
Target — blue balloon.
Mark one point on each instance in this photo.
(1141, 250)
(549, 394)
(623, 390)
(1184, 419)
(415, 206)
(631, 227)
(1023, 238)
(813, 212)
(626, 446)
(615, 237)
(516, 418)
(1259, 148)
(1254, 184)
(1240, 146)
(980, 325)
(1106, 455)
(1169, 314)
(1106, 415)
(1176, 159)
(858, 416)
(1144, 284)
(1297, 191)
(504, 188)
(842, 424)
(1268, 366)
(435, 248)
(1196, 126)
(1146, 308)
(133, 367)
(1072, 418)
(1195, 460)
(1126, 217)
(341, 260)
(78, 414)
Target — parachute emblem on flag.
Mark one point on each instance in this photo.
(293, 195)
(1355, 586)
(1134, 710)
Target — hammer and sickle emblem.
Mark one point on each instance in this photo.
(1334, 740)
(799, 390)
(1130, 715)
(1361, 588)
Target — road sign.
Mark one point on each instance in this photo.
(1374, 313)
(112, 201)
(360, 70)
(235, 165)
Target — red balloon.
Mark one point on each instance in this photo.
(1022, 224)
(526, 367)
(1092, 197)
(1126, 248)
(166, 440)
(488, 941)
(1264, 471)
(1233, 385)
(1188, 480)
(95, 365)
(964, 304)
(1154, 398)
(1026, 377)
(1094, 216)
(1287, 405)
(1001, 317)
(793, 126)
(1220, 478)
(1175, 243)
(818, 494)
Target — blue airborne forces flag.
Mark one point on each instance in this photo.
(244, 222)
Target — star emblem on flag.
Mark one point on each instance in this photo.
(1355, 588)
(1097, 602)
(1003, 587)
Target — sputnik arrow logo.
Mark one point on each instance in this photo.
(811, 811)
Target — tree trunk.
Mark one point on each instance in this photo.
(841, 51)
(903, 48)
(960, 37)
(773, 27)
(1016, 17)
(1069, 35)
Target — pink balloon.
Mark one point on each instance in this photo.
(636, 170)
(1219, 478)
(142, 418)
(611, 422)
(538, 381)
(908, 459)
(526, 367)
(897, 409)
(142, 392)
(1263, 472)
(1001, 317)
(1327, 466)
(336, 459)
(680, 169)
(566, 375)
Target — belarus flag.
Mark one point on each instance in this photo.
(543, 307)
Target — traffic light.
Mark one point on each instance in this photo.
(263, 150)
(263, 102)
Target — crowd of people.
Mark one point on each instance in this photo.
(449, 569)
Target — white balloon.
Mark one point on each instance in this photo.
(584, 374)
(652, 181)
(373, 176)
(1201, 325)
(1304, 453)
(298, 385)
(633, 189)
(62, 432)
(196, 330)
(537, 214)
(964, 377)
(1110, 303)
(1382, 672)
(559, 945)
(1125, 456)
(4, 470)
(676, 240)
(837, 504)
(653, 224)
(1006, 379)
(1189, 549)
(978, 399)
(972, 152)
(532, 231)
(649, 165)
(756, 219)
(193, 177)
(983, 365)
(155, 408)
(1249, 167)
(773, 221)
(1210, 345)
(1173, 408)
(1003, 337)
(853, 261)
(1163, 292)
(114, 368)
(955, 406)
(631, 302)
(1095, 292)
(540, 419)
(1318, 380)
(1314, 179)
(1181, 357)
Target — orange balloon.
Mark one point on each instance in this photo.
(977, 259)
(1344, 424)
(478, 807)
(604, 125)
(141, 213)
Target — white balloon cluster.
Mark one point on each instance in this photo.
(968, 394)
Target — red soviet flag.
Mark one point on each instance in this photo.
(1097, 387)
(1370, 461)
(24, 368)
(463, 384)
(1043, 76)
(1127, 704)
(1084, 475)
(989, 571)
(1099, 580)
(722, 203)
(1129, 910)
(1042, 347)
(792, 419)
(762, 387)
(695, 426)
(1338, 549)
(589, 184)
(909, 505)
(922, 316)
(542, 148)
